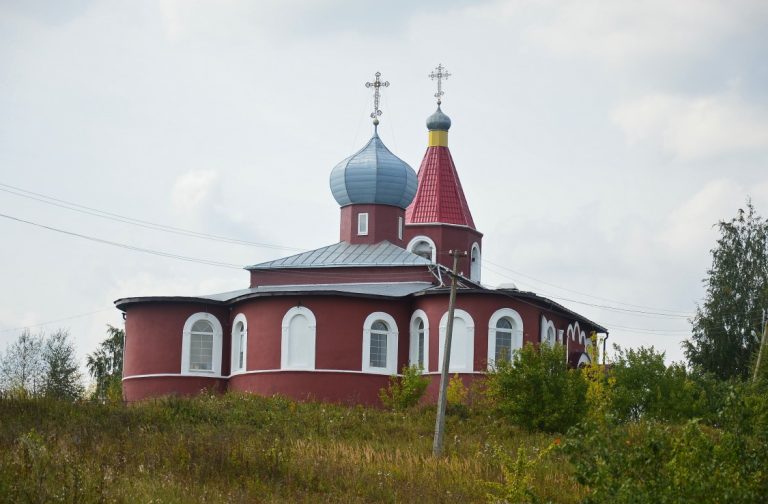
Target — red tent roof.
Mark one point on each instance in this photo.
(439, 197)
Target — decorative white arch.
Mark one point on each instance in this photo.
(462, 342)
(215, 350)
(475, 266)
(584, 360)
(422, 238)
(297, 350)
(391, 364)
(517, 331)
(236, 347)
(548, 331)
(413, 353)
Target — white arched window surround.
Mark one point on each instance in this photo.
(417, 239)
(462, 352)
(414, 343)
(237, 341)
(475, 267)
(584, 360)
(517, 331)
(548, 331)
(307, 359)
(391, 364)
(186, 345)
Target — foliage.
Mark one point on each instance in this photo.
(62, 379)
(600, 388)
(537, 391)
(456, 395)
(404, 391)
(518, 475)
(647, 388)
(726, 328)
(652, 462)
(105, 366)
(22, 368)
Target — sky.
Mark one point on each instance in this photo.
(597, 143)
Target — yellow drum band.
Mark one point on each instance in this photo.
(438, 138)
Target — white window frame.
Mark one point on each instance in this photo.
(517, 332)
(417, 239)
(413, 354)
(470, 348)
(234, 367)
(547, 328)
(474, 263)
(186, 344)
(362, 224)
(391, 344)
(400, 226)
(286, 334)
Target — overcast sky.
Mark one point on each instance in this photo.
(597, 142)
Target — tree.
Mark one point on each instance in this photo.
(106, 365)
(726, 328)
(22, 368)
(63, 379)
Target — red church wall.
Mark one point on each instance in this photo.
(382, 224)
(447, 238)
(299, 276)
(154, 336)
(137, 389)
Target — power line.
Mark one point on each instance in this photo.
(103, 214)
(57, 320)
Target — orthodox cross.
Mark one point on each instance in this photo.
(439, 74)
(376, 84)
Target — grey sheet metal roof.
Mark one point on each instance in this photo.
(345, 254)
(387, 290)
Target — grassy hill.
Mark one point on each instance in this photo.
(245, 448)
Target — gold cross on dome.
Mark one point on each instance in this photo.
(376, 84)
(439, 73)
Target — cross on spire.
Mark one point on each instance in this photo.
(376, 84)
(439, 74)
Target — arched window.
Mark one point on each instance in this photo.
(423, 246)
(462, 342)
(298, 342)
(239, 344)
(380, 344)
(201, 345)
(419, 348)
(548, 332)
(474, 272)
(505, 335)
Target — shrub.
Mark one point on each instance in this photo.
(456, 396)
(404, 391)
(537, 391)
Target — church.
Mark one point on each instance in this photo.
(334, 323)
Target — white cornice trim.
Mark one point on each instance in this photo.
(259, 371)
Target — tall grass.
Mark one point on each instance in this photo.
(246, 448)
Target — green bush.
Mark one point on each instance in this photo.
(536, 390)
(651, 462)
(404, 391)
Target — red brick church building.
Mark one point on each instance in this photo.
(334, 323)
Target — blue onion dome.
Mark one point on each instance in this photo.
(438, 121)
(373, 175)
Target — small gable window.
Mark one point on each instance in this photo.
(362, 224)
(424, 247)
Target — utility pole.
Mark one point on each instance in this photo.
(437, 446)
(762, 345)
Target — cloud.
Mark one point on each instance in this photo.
(693, 128)
(193, 189)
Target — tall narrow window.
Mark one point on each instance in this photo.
(239, 344)
(378, 357)
(362, 224)
(201, 346)
(399, 228)
(379, 344)
(503, 340)
(419, 345)
(474, 271)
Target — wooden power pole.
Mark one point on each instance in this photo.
(762, 345)
(437, 446)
